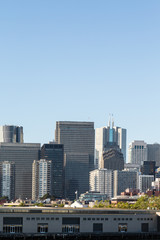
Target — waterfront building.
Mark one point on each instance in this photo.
(7, 175)
(23, 155)
(11, 134)
(123, 180)
(101, 180)
(78, 141)
(78, 223)
(55, 153)
(137, 152)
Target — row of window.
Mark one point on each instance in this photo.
(119, 219)
(42, 218)
(89, 219)
(92, 219)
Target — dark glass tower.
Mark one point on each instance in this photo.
(78, 140)
(55, 153)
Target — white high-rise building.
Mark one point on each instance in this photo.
(109, 134)
(137, 152)
(41, 178)
(8, 179)
(101, 180)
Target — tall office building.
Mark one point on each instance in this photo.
(123, 180)
(101, 180)
(153, 153)
(76, 174)
(137, 152)
(11, 134)
(7, 173)
(23, 155)
(106, 135)
(78, 141)
(55, 153)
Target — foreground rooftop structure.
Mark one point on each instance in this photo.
(52, 222)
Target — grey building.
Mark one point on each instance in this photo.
(123, 180)
(78, 141)
(153, 153)
(11, 134)
(55, 153)
(145, 182)
(22, 154)
(44, 223)
(76, 174)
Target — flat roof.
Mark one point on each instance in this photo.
(51, 210)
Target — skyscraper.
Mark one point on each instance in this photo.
(78, 141)
(153, 153)
(11, 134)
(106, 135)
(55, 153)
(137, 152)
(22, 154)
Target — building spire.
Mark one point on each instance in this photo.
(109, 121)
(112, 121)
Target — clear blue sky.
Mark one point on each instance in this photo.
(80, 60)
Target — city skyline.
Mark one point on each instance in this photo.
(90, 58)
